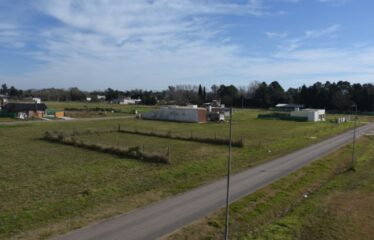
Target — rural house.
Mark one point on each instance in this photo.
(24, 110)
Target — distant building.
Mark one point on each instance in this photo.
(285, 107)
(313, 115)
(24, 110)
(3, 100)
(295, 112)
(127, 101)
(88, 99)
(178, 114)
(37, 100)
(101, 97)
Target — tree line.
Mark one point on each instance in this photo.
(340, 96)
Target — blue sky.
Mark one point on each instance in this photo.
(150, 44)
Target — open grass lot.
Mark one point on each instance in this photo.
(5, 119)
(339, 204)
(122, 109)
(48, 188)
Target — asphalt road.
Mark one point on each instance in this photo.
(164, 217)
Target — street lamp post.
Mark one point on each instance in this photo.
(354, 140)
(228, 181)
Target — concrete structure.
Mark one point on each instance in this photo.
(88, 99)
(178, 114)
(313, 115)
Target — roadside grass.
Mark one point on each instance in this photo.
(342, 209)
(338, 204)
(48, 188)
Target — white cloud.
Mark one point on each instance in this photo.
(276, 34)
(335, 2)
(294, 43)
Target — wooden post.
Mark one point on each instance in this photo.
(169, 154)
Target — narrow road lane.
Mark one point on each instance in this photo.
(168, 215)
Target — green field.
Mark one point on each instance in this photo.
(49, 188)
(339, 204)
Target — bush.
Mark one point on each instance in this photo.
(219, 141)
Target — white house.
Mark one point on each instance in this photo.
(313, 115)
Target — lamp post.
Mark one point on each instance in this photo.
(228, 180)
(354, 140)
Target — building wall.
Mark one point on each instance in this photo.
(193, 115)
(312, 115)
(37, 114)
(59, 114)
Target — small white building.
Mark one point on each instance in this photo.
(88, 99)
(127, 101)
(101, 97)
(313, 115)
(37, 100)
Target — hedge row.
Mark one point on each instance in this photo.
(131, 152)
(282, 116)
(219, 141)
(97, 109)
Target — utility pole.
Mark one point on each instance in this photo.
(354, 140)
(228, 180)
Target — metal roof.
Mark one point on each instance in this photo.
(20, 107)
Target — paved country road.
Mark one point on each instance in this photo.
(164, 217)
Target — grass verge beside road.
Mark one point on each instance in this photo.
(320, 201)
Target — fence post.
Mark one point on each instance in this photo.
(169, 153)
(119, 127)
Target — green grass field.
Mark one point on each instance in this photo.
(339, 204)
(48, 188)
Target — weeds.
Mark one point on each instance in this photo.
(215, 140)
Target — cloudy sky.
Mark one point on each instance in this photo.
(150, 44)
